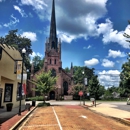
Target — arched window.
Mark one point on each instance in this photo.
(50, 61)
(55, 61)
(53, 72)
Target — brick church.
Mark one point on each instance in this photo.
(53, 62)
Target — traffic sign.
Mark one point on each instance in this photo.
(80, 93)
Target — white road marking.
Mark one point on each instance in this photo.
(83, 116)
(57, 118)
(41, 125)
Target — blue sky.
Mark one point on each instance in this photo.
(91, 31)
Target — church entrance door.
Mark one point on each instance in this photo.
(65, 85)
(52, 95)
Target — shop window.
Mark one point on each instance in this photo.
(8, 92)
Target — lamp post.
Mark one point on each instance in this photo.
(83, 89)
(20, 89)
(84, 84)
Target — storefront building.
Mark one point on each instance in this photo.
(10, 76)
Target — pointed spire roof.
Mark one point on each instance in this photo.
(71, 65)
(53, 35)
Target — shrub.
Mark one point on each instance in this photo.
(37, 98)
(43, 104)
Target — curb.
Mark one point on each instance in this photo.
(126, 121)
(22, 119)
(121, 120)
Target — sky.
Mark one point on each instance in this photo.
(91, 31)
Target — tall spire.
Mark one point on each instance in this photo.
(53, 36)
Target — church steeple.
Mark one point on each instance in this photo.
(53, 35)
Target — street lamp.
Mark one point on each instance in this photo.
(20, 89)
(83, 89)
(84, 84)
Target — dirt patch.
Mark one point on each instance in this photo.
(70, 117)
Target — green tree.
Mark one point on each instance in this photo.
(44, 83)
(124, 86)
(125, 78)
(93, 86)
(100, 91)
(79, 76)
(18, 42)
(38, 63)
(67, 69)
(109, 91)
(75, 90)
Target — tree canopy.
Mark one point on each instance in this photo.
(125, 78)
(79, 75)
(44, 82)
(38, 63)
(17, 41)
(124, 87)
(93, 85)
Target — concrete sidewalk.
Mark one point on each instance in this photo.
(4, 115)
(111, 110)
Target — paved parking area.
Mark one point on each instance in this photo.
(69, 117)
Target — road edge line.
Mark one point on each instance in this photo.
(57, 118)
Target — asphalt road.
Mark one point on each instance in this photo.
(119, 105)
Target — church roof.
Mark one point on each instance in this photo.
(53, 35)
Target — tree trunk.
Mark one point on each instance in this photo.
(44, 98)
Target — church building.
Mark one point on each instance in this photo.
(53, 62)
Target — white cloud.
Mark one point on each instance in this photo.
(66, 38)
(79, 19)
(32, 36)
(23, 14)
(127, 30)
(72, 21)
(108, 63)
(109, 78)
(12, 22)
(115, 54)
(35, 54)
(91, 62)
(111, 35)
(37, 4)
(70, 15)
